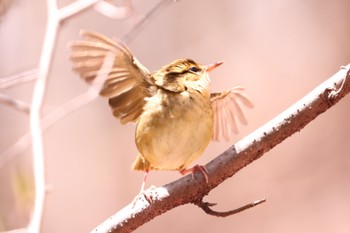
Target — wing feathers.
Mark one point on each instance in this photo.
(227, 107)
(127, 83)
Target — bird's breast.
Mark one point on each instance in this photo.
(174, 128)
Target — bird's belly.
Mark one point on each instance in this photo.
(171, 141)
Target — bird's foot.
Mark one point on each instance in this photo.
(194, 169)
(144, 194)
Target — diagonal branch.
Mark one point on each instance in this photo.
(187, 190)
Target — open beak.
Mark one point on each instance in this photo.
(210, 67)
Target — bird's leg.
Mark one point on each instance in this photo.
(143, 191)
(144, 182)
(194, 169)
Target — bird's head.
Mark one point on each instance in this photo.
(184, 74)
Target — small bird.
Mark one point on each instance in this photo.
(175, 113)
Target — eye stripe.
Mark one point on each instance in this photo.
(175, 74)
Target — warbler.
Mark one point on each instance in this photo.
(176, 115)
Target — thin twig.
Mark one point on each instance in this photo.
(63, 110)
(75, 8)
(187, 190)
(16, 104)
(18, 78)
(130, 35)
(114, 12)
(205, 206)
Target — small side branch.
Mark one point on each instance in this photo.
(205, 206)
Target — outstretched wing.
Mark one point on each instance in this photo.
(127, 82)
(227, 107)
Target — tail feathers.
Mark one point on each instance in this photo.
(141, 164)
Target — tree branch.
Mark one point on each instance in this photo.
(187, 190)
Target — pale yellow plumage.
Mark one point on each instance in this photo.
(176, 115)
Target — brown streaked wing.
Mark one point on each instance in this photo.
(227, 108)
(127, 82)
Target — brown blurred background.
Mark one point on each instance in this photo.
(278, 50)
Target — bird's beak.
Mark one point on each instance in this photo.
(210, 67)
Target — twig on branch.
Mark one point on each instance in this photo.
(187, 190)
(205, 206)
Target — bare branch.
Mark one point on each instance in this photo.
(187, 190)
(35, 115)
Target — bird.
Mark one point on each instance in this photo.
(175, 113)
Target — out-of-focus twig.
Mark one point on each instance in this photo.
(19, 78)
(74, 8)
(35, 116)
(55, 16)
(16, 104)
(20, 230)
(53, 116)
(187, 190)
(4, 6)
(114, 12)
(102, 7)
(93, 92)
(130, 35)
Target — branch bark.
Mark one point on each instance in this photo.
(187, 190)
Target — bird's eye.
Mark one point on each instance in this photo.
(194, 69)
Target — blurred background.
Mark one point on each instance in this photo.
(278, 50)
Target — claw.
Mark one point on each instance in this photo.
(143, 192)
(147, 194)
(194, 169)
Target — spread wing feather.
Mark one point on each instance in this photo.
(227, 107)
(127, 83)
